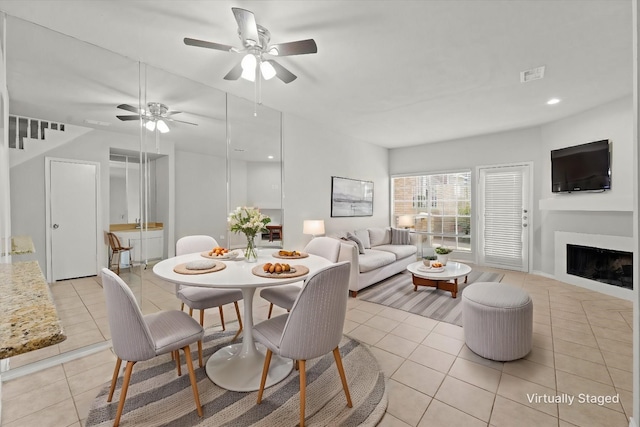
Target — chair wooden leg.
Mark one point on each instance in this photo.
(182, 307)
(123, 393)
(221, 317)
(190, 311)
(116, 371)
(296, 365)
(118, 265)
(200, 353)
(177, 357)
(192, 377)
(336, 355)
(303, 390)
(202, 318)
(270, 310)
(235, 303)
(265, 371)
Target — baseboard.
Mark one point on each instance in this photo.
(543, 274)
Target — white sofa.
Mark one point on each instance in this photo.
(380, 260)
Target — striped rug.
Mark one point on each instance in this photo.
(397, 292)
(158, 397)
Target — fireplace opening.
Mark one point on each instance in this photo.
(603, 265)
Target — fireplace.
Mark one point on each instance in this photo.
(603, 265)
(608, 271)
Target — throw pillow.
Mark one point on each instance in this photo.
(363, 235)
(399, 236)
(358, 242)
(377, 236)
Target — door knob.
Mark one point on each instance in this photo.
(524, 225)
(55, 226)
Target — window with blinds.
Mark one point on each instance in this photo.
(438, 206)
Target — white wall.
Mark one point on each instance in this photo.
(266, 180)
(312, 155)
(608, 213)
(467, 153)
(201, 195)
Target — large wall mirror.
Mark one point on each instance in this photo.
(216, 155)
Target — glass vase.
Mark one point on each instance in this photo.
(250, 254)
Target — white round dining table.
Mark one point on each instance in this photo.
(238, 367)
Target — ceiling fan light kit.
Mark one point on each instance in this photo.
(154, 117)
(255, 40)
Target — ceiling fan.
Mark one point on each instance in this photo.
(155, 116)
(255, 40)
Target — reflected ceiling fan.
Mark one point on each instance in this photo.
(255, 41)
(155, 116)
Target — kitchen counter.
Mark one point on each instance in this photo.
(28, 319)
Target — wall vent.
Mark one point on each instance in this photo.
(532, 74)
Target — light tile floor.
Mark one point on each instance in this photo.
(582, 344)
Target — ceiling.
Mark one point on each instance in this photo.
(392, 73)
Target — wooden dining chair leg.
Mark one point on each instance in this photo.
(192, 378)
(200, 353)
(118, 264)
(202, 318)
(182, 307)
(235, 303)
(343, 378)
(190, 311)
(270, 310)
(303, 389)
(177, 357)
(123, 393)
(114, 379)
(221, 317)
(265, 371)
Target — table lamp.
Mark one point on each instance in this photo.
(315, 227)
(405, 221)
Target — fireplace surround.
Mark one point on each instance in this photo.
(601, 263)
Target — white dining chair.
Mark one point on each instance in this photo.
(136, 338)
(198, 298)
(284, 296)
(311, 329)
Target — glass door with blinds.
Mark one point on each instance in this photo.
(504, 216)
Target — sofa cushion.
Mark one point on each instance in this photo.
(352, 237)
(399, 251)
(363, 235)
(400, 237)
(374, 258)
(379, 236)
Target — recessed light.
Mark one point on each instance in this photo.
(553, 101)
(269, 157)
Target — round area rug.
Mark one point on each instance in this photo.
(158, 397)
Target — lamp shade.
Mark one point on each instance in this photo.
(405, 221)
(314, 227)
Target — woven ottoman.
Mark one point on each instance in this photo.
(497, 320)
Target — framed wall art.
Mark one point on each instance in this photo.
(351, 197)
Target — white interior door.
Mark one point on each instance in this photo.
(72, 219)
(504, 216)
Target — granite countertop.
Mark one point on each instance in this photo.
(28, 317)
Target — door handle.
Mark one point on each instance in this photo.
(55, 226)
(524, 225)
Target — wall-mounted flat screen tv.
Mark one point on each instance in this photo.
(585, 167)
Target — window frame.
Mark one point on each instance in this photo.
(428, 203)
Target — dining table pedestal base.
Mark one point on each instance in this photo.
(236, 369)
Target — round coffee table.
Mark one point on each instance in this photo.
(447, 279)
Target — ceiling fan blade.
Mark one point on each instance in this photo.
(208, 45)
(235, 72)
(281, 72)
(171, 113)
(129, 108)
(247, 26)
(128, 118)
(179, 121)
(300, 47)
